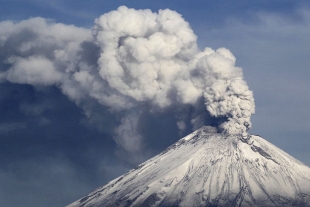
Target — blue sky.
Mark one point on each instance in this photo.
(52, 152)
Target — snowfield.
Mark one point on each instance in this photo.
(210, 169)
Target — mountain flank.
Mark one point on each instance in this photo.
(210, 169)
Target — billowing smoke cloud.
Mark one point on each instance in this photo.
(132, 63)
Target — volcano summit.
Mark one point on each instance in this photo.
(208, 169)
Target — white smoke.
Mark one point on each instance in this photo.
(145, 55)
(127, 135)
(135, 60)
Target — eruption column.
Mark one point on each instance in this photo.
(132, 62)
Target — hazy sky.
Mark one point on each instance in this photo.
(56, 145)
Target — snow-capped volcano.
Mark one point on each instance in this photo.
(210, 169)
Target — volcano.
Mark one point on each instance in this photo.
(208, 169)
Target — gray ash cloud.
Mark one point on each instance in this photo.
(132, 67)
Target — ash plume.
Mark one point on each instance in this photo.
(132, 62)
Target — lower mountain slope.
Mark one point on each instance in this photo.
(210, 169)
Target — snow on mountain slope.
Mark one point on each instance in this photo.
(210, 169)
